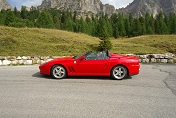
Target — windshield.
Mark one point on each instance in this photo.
(77, 57)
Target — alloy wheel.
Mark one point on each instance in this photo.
(119, 72)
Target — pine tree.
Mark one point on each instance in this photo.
(45, 20)
(33, 14)
(16, 12)
(114, 21)
(24, 12)
(131, 20)
(102, 27)
(57, 21)
(166, 20)
(88, 25)
(108, 24)
(76, 27)
(114, 18)
(109, 27)
(152, 23)
(82, 26)
(149, 23)
(172, 23)
(68, 24)
(63, 17)
(2, 18)
(127, 27)
(105, 42)
(137, 27)
(116, 33)
(10, 18)
(75, 16)
(121, 25)
(143, 26)
(95, 25)
(29, 23)
(160, 25)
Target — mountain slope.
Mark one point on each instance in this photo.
(4, 5)
(35, 41)
(83, 7)
(151, 6)
(49, 42)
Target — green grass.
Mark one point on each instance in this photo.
(147, 44)
(33, 41)
(49, 42)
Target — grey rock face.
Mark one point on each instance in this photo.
(83, 7)
(4, 5)
(140, 7)
(108, 9)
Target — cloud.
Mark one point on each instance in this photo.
(28, 3)
(117, 3)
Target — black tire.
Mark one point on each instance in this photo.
(58, 72)
(118, 74)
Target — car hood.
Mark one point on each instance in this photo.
(63, 59)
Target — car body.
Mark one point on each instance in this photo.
(89, 64)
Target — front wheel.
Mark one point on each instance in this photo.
(58, 72)
(119, 72)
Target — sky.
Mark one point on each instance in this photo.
(28, 3)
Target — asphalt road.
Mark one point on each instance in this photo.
(24, 93)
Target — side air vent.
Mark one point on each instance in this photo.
(71, 69)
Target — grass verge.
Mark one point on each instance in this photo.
(49, 42)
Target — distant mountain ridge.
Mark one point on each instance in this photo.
(89, 7)
(4, 5)
(83, 7)
(140, 7)
(137, 7)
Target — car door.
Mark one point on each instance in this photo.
(90, 65)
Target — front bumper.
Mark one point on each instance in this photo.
(44, 69)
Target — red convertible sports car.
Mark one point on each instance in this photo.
(92, 64)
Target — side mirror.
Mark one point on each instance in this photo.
(82, 58)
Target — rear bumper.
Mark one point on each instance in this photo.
(134, 69)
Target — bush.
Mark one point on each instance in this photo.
(17, 24)
(29, 23)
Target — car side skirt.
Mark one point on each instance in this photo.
(88, 74)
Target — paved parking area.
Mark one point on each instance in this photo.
(24, 93)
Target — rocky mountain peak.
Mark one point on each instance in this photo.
(83, 7)
(4, 5)
(140, 7)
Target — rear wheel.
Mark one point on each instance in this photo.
(58, 72)
(119, 72)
